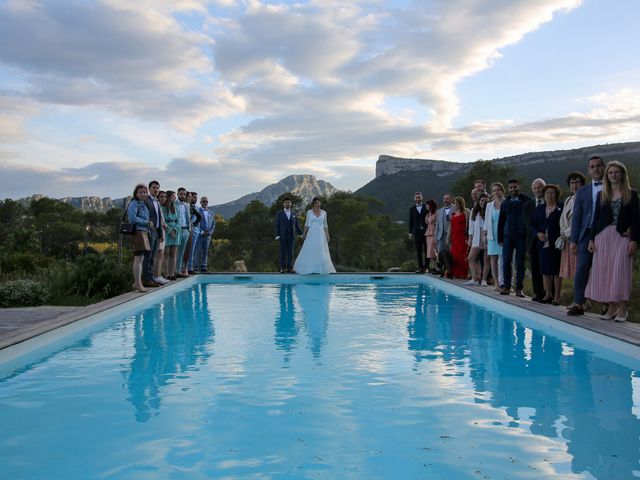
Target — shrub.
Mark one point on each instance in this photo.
(90, 278)
(23, 293)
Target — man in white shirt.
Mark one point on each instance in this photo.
(207, 226)
(184, 212)
(417, 230)
(286, 228)
(443, 218)
(582, 218)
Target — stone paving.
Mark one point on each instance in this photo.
(20, 324)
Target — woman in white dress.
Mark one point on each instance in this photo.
(314, 256)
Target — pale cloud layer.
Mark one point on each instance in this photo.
(227, 96)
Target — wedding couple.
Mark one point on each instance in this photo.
(314, 256)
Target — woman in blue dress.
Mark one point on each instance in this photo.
(490, 228)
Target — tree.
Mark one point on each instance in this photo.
(486, 170)
(251, 234)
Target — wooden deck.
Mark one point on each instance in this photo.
(20, 324)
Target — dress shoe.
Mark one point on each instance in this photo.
(622, 319)
(544, 300)
(150, 284)
(557, 304)
(181, 275)
(504, 291)
(281, 271)
(538, 299)
(575, 311)
(519, 294)
(192, 272)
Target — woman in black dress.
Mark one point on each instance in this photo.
(545, 224)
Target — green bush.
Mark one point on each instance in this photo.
(90, 278)
(23, 293)
(22, 262)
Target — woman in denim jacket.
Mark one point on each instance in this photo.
(138, 214)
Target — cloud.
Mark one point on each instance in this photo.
(318, 77)
(613, 116)
(117, 179)
(136, 61)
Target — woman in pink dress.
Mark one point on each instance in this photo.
(430, 234)
(575, 180)
(615, 233)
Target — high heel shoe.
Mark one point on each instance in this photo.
(623, 319)
(609, 317)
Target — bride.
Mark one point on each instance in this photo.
(314, 256)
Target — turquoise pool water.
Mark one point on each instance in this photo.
(396, 380)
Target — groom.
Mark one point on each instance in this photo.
(287, 227)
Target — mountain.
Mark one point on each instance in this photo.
(306, 186)
(86, 204)
(398, 178)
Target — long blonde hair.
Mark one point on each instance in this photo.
(625, 187)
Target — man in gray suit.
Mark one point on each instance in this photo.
(443, 218)
(583, 209)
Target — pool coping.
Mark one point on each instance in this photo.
(626, 332)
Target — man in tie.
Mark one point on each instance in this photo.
(583, 209)
(513, 227)
(417, 230)
(184, 213)
(537, 188)
(207, 226)
(286, 228)
(156, 235)
(443, 218)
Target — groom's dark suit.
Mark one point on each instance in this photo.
(286, 229)
(417, 228)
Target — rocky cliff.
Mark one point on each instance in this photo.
(306, 186)
(387, 165)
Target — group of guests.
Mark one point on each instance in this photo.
(172, 234)
(591, 237)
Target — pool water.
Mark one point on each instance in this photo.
(319, 380)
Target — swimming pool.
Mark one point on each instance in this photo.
(289, 377)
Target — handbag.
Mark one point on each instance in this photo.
(127, 228)
(559, 243)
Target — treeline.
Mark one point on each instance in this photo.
(52, 253)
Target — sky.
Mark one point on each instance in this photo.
(225, 97)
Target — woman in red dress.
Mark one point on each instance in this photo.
(458, 239)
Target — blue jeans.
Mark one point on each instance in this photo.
(149, 257)
(583, 267)
(201, 252)
(192, 257)
(508, 245)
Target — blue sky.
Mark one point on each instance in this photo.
(228, 96)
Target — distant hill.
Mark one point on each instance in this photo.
(86, 204)
(398, 178)
(305, 186)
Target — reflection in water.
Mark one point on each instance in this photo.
(314, 301)
(170, 340)
(286, 327)
(571, 396)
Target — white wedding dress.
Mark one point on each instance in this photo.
(314, 256)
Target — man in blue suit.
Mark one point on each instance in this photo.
(202, 238)
(583, 209)
(287, 227)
